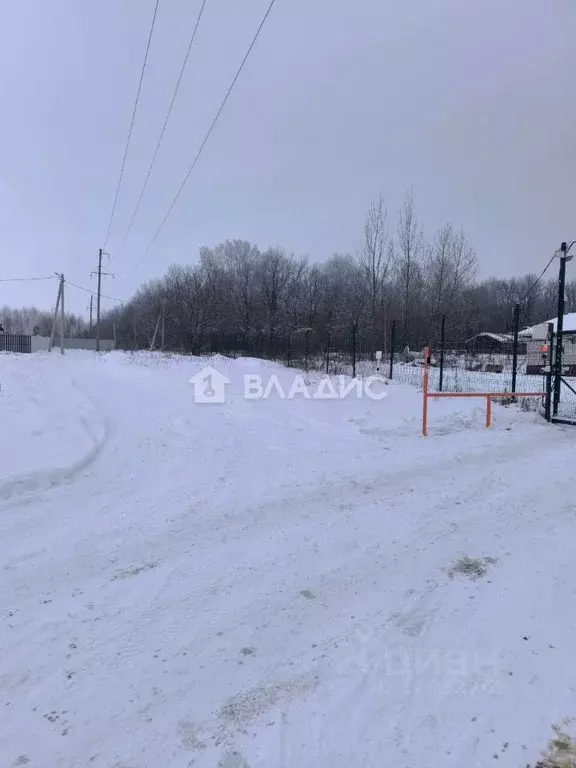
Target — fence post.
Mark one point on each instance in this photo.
(392, 335)
(425, 392)
(515, 347)
(548, 400)
(442, 339)
(354, 329)
(559, 330)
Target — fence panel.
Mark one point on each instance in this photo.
(15, 342)
(465, 370)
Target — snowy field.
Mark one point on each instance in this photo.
(276, 583)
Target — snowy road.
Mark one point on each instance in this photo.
(267, 583)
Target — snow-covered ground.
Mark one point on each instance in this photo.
(276, 583)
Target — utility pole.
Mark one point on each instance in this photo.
(59, 303)
(153, 342)
(62, 322)
(98, 300)
(562, 253)
(99, 273)
(91, 301)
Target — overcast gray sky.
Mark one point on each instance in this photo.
(473, 102)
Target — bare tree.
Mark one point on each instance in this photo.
(449, 271)
(410, 250)
(348, 279)
(439, 268)
(242, 260)
(276, 270)
(311, 297)
(464, 264)
(376, 254)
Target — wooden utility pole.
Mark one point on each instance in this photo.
(99, 273)
(62, 322)
(91, 300)
(98, 300)
(158, 321)
(59, 299)
(153, 342)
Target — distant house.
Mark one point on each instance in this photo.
(538, 353)
(495, 343)
(568, 325)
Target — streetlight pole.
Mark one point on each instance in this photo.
(562, 253)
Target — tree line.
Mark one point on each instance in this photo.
(37, 322)
(269, 303)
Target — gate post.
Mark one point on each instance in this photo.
(425, 392)
(442, 341)
(515, 347)
(392, 335)
(548, 399)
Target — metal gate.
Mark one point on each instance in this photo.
(560, 377)
(563, 399)
(15, 342)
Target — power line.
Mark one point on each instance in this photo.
(94, 293)
(132, 122)
(25, 279)
(529, 291)
(162, 132)
(205, 140)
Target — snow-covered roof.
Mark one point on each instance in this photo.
(569, 324)
(501, 337)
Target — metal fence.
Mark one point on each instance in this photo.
(462, 370)
(513, 361)
(459, 370)
(15, 342)
(337, 350)
(564, 408)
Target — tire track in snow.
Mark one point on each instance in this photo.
(36, 482)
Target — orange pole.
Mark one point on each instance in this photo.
(425, 393)
(488, 411)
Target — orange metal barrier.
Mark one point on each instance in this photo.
(426, 395)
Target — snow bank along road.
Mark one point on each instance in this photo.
(275, 583)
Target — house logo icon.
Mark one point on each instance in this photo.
(209, 386)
